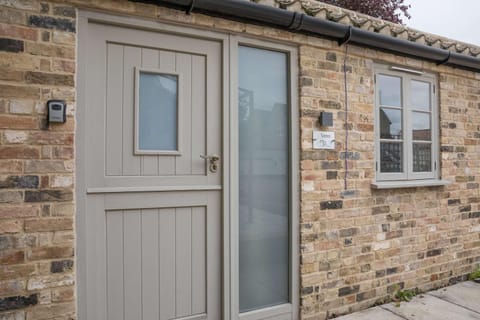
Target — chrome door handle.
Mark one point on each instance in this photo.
(213, 159)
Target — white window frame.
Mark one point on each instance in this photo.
(408, 177)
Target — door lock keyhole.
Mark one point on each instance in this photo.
(213, 160)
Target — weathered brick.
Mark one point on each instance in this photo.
(48, 195)
(11, 226)
(10, 91)
(60, 181)
(63, 66)
(337, 204)
(11, 16)
(51, 23)
(52, 138)
(17, 241)
(19, 152)
(18, 302)
(49, 78)
(45, 166)
(434, 252)
(11, 75)
(380, 209)
(65, 11)
(19, 182)
(453, 202)
(44, 253)
(16, 271)
(17, 32)
(11, 196)
(61, 266)
(345, 291)
(46, 311)
(44, 282)
(12, 137)
(63, 294)
(332, 175)
(348, 232)
(21, 106)
(12, 257)
(53, 224)
(50, 50)
(10, 166)
(11, 122)
(12, 287)
(11, 45)
(18, 211)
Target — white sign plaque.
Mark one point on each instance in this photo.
(323, 140)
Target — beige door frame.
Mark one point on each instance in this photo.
(229, 158)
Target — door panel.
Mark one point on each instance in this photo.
(119, 159)
(149, 218)
(160, 259)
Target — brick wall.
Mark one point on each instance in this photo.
(357, 245)
(37, 63)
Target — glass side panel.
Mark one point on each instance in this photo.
(391, 155)
(263, 179)
(422, 157)
(157, 112)
(390, 90)
(422, 129)
(420, 95)
(391, 124)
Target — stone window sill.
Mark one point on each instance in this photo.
(409, 184)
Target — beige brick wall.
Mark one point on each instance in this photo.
(356, 245)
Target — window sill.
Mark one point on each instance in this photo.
(409, 184)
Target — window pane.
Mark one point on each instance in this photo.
(391, 155)
(421, 126)
(157, 112)
(420, 95)
(263, 179)
(422, 157)
(390, 89)
(390, 124)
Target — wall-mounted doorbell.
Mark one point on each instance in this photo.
(57, 111)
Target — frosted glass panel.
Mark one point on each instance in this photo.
(263, 179)
(157, 112)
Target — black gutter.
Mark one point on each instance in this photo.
(246, 11)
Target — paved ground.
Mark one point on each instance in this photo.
(458, 302)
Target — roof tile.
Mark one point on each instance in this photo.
(322, 10)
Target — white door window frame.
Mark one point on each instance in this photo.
(287, 310)
(407, 122)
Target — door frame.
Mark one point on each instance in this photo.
(229, 43)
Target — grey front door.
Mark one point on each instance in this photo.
(149, 227)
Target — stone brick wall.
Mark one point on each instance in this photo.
(357, 245)
(37, 63)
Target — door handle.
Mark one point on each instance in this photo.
(213, 159)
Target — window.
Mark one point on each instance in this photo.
(263, 178)
(156, 112)
(406, 125)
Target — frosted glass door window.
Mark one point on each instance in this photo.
(263, 179)
(157, 112)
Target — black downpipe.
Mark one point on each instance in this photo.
(245, 11)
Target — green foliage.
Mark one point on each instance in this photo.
(475, 274)
(405, 295)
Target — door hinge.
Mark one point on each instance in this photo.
(376, 165)
(433, 89)
(435, 165)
